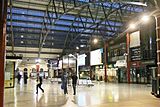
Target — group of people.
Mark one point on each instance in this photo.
(64, 79)
(25, 76)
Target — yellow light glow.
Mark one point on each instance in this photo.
(77, 47)
(95, 41)
(145, 18)
(132, 26)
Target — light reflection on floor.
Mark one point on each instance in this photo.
(100, 95)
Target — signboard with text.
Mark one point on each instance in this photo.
(135, 54)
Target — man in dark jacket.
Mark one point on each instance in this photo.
(74, 82)
(39, 84)
(64, 79)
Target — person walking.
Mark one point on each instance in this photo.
(39, 84)
(74, 82)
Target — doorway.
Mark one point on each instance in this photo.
(138, 75)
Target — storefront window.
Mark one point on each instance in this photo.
(84, 74)
(122, 74)
(138, 75)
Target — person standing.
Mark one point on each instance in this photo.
(64, 79)
(39, 84)
(25, 75)
(74, 83)
(19, 77)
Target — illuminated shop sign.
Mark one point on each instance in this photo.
(121, 63)
(135, 54)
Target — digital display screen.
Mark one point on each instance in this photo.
(96, 57)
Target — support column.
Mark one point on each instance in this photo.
(158, 42)
(105, 60)
(37, 67)
(128, 61)
(3, 13)
(157, 17)
(90, 70)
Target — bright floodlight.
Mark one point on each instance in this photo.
(132, 26)
(145, 18)
(95, 41)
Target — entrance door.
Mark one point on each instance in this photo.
(122, 75)
(138, 75)
(133, 74)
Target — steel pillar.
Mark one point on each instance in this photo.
(3, 14)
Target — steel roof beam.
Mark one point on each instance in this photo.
(114, 10)
(36, 22)
(71, 4)
(56, 18)
(34, 52)
(31, 30)
(67, 36)
(60, 25)
(83, 14)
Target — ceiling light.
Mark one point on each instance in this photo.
(77, 47)
(132, 26)
(82, 46)
(22, 42)
(22, 36)
(95, 41)
(145, 18)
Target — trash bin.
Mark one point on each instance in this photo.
(155, 83)
(154, 86)
(158, 88)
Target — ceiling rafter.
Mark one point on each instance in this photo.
(88, 18)
(67, 36)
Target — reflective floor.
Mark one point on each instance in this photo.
(99, 95)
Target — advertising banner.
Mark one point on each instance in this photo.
(96, 57)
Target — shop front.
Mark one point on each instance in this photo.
(121, 70)
(84, 72)
(138, 73)
(98, 72)
(96, 65)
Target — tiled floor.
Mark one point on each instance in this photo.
(99, 95)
